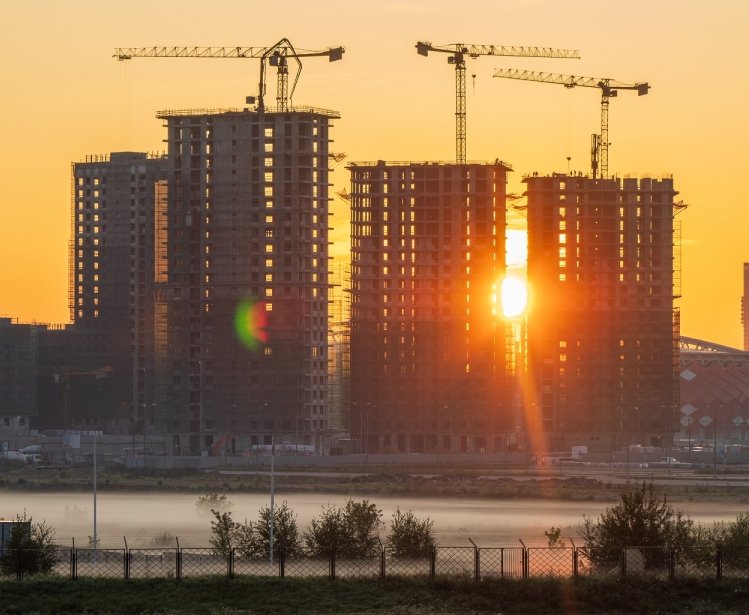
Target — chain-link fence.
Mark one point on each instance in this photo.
(734, 561)
(152, 563)
(398, 565)
(469, 562)
(550, 561)
(455, 562)
(255, 566)
(98, 563)
(351, 562)
(202, 562)
(500, 562)
(301, 565)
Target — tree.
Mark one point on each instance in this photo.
(210, 502)
(36, 544)
(246, 540)
(253, 539)
(325, 532)
(352, 529)
(554, 537)
(640, 519)
(223, 529)
(410, 536)
(363, 521)
(285, 532)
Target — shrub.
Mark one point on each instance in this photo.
(640, 519)
(206, 504)
(285, 532)
(253, 539)
(222, 532)
(554, 537)
(37, 543)
(410, 536)
(353, 529)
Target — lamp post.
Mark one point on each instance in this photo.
(272, 495)
(94, 536)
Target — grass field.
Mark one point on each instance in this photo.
(408, 596)
(474, 482)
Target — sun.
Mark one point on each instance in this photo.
(514, 296)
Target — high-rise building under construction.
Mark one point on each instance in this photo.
(602, 328)
(113, 263)
(243, 351)
(427, 354)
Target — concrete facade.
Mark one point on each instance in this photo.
(114, 257)
(428, 371)
(245, 295)
(602, 329)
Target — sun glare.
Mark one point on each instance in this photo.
(514, 296)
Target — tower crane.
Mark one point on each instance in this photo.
(609, 89)
(458, 53)
(277, 55)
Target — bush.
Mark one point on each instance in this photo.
(641, 519)
(410, 536)
(353, 529)
(37, 542)
(253, 539)
(285, 532)
(206, 504)
(223, 529)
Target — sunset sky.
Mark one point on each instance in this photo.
(64, 97)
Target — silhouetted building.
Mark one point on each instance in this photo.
(114, 258)
(245, 294)
(19, 360)
(602, 329)
(745, 307)
(427, 356)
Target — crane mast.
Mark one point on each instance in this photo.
(276, 55)
(458, 53)
(599, 150)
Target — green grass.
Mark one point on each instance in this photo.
(408, 596)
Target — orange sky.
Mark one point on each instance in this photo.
(65, 97)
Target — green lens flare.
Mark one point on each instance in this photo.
(250, 322)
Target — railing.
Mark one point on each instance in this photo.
(468, 562)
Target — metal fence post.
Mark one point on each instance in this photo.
(502, 563)
(178, 561)
(574, 562)
(433, 563)
(230, 564)
(476, 565)
(623, 562)
(19, 562)
(282, 563)
(126, 563)
(332, 563)
(719, 561)
(525, 566)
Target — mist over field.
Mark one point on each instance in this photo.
(142, 516)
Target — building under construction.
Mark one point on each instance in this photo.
(427, 349)
(113, 262)
(243, 350)
(602, 328)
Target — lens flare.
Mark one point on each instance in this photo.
(250, 323)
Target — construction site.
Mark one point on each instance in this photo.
(203, 302)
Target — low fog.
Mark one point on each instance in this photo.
(142, 516)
